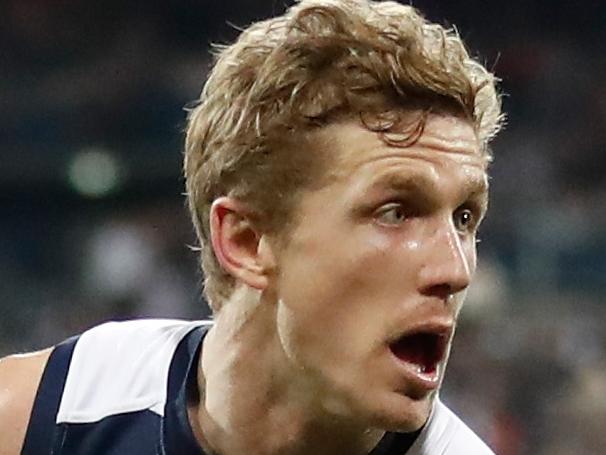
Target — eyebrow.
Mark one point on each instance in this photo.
(399, 181)
(420, 183)
(476, 186)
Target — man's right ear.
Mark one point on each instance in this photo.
(242, 251)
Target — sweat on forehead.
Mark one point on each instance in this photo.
(444, 133)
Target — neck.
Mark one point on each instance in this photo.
(254, 402)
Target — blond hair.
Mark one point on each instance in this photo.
(249, 135)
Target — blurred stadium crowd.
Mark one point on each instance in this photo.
(93, 224)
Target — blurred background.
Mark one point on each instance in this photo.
(93, 225)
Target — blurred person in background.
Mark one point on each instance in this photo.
(336, 169)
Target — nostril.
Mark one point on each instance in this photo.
(441, 291)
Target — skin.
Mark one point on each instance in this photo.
(386, 244)
(19, 379)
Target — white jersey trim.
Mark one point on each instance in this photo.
(121, 367)
(446, 434)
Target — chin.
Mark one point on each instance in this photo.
(402, 413)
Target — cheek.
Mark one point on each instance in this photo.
(345, 290)
(341, 273)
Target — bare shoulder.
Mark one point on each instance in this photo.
(19, 379)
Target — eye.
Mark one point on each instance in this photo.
(391, 214)
(465, 220)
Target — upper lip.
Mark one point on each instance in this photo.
(441, 328)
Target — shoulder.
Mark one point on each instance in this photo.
(19, 379)
(121, 367)
(128, 358)
(446, 434)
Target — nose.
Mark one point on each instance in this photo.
(447, 269)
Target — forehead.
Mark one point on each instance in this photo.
(447, 144)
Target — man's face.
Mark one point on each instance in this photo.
(375, 270)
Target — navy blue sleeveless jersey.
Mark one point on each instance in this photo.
(123, 388)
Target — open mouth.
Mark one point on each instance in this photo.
(424, 350)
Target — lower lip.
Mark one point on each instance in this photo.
(420, 380)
